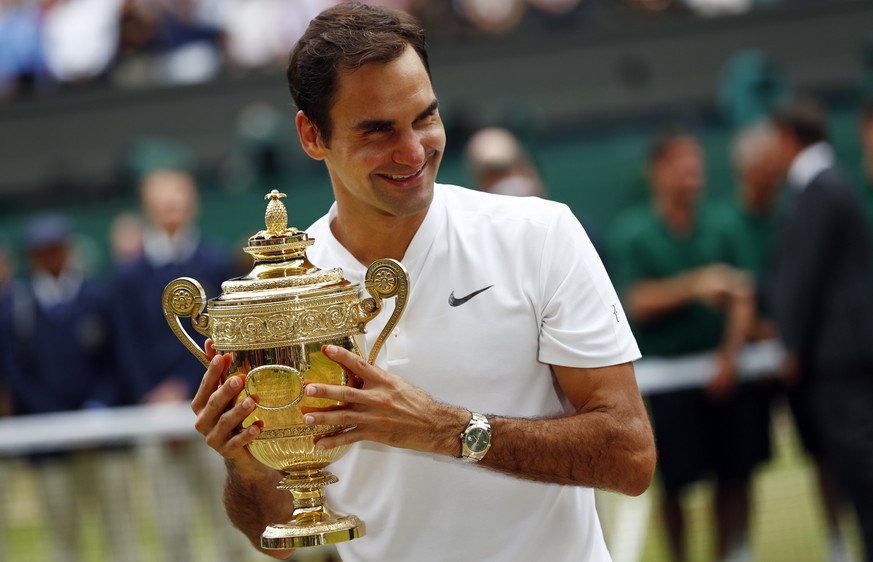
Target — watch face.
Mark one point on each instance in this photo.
(477, 439)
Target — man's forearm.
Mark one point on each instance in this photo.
(252, 501)
(740, 320)
(594, 448)
(650, 299)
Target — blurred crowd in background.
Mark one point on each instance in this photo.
(47, 45)
(66, 344)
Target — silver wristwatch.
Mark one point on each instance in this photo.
(476, 439)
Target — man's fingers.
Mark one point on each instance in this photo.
(337, 392)
(236, 444)
(341, 416)
(209, 348)
(224, 436)
(352, 435)
(210, 381)
(217, 405)
(352, 362)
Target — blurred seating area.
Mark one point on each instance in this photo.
(49, 46)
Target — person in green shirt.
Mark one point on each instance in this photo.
(682, 299)
(753, 216)
(752, 221)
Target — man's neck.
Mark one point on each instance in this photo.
(369, 241)
(678, 218)
(757, 208)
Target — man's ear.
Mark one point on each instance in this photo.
(310, 139)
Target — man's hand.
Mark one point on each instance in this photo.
(218, 417)
(385, 409)
(724, 381)
(789, 371)
(716, 284)
(250, 494)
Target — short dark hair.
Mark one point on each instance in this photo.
(804, 118)
(346, 37)
(663, 138)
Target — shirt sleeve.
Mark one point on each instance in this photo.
(583, 323)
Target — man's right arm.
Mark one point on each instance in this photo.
(716, 285)
(713, 285)
(253, 501)
(251, 498)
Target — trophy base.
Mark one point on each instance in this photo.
(312, 529)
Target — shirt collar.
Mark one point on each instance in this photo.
(159, 248)
(811, 161)
(421, 242)
(51, 291)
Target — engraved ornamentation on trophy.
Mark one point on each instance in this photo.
(273, 322)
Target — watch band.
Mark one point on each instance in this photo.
(478, 434)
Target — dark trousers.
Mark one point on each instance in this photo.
(843, 405)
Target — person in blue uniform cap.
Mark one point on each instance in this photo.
(59, 359)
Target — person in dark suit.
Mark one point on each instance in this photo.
(57, 357)
(6, 276)
(171, 247)
(156, 369)
(822, 303)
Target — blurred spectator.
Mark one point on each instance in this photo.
(491, 16)
(498, 163)
(822, 302)
(7, 266)
(172, 247)
(6, 280)
(79, 38)
(866, 137)
(254, 38)
(5, 397)
(683, 299)
(60, 360)
(125, 238)
(189, 43)
(752, 223)
(752, 219)
(157, 368)
(137, 36)
(754, 227)
(22, 63)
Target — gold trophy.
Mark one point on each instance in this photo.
(273, 322)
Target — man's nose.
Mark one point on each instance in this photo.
(410, 149)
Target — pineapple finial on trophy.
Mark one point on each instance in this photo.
(276, 218)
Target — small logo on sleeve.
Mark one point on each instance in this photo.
(453, 301)
(615, 311)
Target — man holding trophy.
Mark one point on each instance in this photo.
(514, 353)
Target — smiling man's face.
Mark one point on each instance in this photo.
(387, 140)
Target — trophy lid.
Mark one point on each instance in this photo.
(281, 266)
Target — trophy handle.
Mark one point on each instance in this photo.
(185, 297)
(387, 278)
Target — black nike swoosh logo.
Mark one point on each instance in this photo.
(458, 302)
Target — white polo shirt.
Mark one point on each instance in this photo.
(540, 296)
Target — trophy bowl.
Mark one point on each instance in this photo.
(273, 323)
